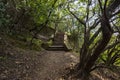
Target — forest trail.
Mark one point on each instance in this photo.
(31, 65)
(20, 64)
(54, 64)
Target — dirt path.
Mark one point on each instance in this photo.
(18, 64)
(53, 65)
(31, 65)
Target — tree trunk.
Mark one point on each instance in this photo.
(86, 66)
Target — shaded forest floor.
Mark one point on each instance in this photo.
(19, 64)
(25, 64)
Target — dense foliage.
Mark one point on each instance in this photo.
(93, 26)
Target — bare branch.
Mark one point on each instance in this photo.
(105, 10)
(96, 22)
(116, 27)
(114, 5)
(100, 4)
(79, 20)
(114, 19)
(116, 13)
(112, 45)
(94, 36)
(105, 5)
(87, 10)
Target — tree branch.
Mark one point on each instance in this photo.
(79, 20)
(112, 45)
(116, 13)
(94, 36)
(113, 6)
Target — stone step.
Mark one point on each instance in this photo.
(57, 48)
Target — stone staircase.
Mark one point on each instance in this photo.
(58, 43)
